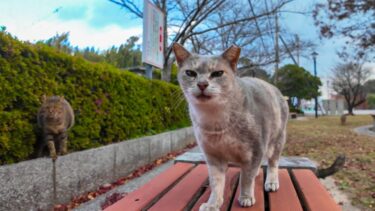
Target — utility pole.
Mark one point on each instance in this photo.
(315, 54)
(297, 43)
(276, 45)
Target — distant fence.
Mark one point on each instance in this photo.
(38, 184)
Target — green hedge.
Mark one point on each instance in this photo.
(110, 105)
(295, 110)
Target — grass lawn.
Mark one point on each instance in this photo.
(324, 138)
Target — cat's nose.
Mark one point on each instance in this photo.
(202, 85)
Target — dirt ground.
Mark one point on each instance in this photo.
(339, 196)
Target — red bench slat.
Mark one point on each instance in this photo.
(180, 195)
(138, 199)
(284, 199)
(259, 196)
(178, 187)
(231, 179)
(313, 192)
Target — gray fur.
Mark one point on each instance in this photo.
(243, 121)
(55, 118)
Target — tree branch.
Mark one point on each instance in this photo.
(129, 5)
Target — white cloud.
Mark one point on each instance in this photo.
(81, 34)
(39, 22)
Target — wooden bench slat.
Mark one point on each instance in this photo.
(231, 179)
(180, 195)
(139, 198)
(259, 196)
(314, 194)
(286, 198)
(179, 187)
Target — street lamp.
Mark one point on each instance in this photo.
(314, 55)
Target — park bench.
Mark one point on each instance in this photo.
(184, 186)
(293, 115)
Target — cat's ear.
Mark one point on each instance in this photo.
(232, 54)
(180, 53)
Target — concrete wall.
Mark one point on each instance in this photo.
(40, 183)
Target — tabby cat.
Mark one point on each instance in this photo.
(238, 120)
(55, 118)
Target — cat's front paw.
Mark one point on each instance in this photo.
(53, 156)
(271, 186)
(246, 201)
(208, 207)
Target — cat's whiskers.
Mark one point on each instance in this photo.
(176, 93)
(178, 102)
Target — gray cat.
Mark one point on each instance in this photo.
(239, 120)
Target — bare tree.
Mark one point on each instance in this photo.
(348, 80)
(353, 20)
(194, 20)
(256, 37)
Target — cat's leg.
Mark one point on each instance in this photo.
(216, 170)
(51, 147)
(272, 179)
(63, 138)
(247, 184)
(64, 146)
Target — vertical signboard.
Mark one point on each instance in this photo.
(153, 32)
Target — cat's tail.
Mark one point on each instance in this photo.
(335, 167)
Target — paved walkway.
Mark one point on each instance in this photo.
(365, 130)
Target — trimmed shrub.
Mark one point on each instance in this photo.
(295, 110)
(110, 105)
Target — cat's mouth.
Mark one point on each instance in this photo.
(203, 97)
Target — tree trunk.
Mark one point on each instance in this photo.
(166, 72)
(298, 103)
(350, 110)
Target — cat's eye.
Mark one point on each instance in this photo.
(217, 74)
(191, 73)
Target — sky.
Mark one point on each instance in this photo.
(98, 23)
(103, 24)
